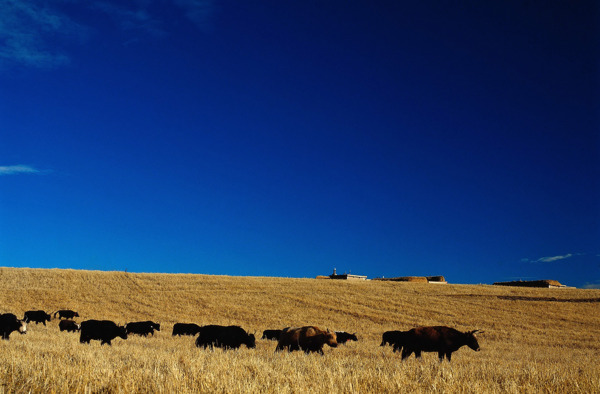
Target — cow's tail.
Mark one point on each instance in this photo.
(54, 314)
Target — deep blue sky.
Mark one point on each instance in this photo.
(288, 138)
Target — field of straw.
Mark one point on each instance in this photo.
(535, 340)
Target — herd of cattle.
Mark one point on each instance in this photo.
(440, 339)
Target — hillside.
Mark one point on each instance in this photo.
(534, 339)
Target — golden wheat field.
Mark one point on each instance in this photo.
(535, 340)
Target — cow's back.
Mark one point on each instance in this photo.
(432, 338)
(98, 329)
(307, 338)
(222, 336)
(140, 327)
(185, 329)
(311, 338)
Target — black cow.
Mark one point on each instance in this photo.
(271, 334)
(142, 327)
(343, 337)
(186, 329)
(10, 323)
(102, 330)
(66, 313)
(37, 317)
(69, 325)
(440, 339)
(227, 337)
(394, 338)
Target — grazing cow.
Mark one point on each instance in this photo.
(66, 313)
(186, 329)
(309, 339)
(69, 325)
(440, 339)
(394, 338)
(37, 317)
(388, 337)
(10, 323)
(342, 337)
(227, 337)
(271, 334)
(142, 327)
(102, 330)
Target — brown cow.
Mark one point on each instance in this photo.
(309, 339)
(440, 339)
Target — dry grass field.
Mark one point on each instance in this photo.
(535, 340)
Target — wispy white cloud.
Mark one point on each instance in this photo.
(18, 169)
(35, 33)
(553, 258)
(550, 259)
(26, 30)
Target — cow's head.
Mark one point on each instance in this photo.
(472, 340)
(76, 314)
(156, 326)
(331, 338)
(78, 326)
(353, 337)
(122, 332)
(250, 340)
(22, 327)
(48, 317)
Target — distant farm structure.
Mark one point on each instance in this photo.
(344, 276)
(545, 283)
(412, 279)
(416, 279)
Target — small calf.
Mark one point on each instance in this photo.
(69, 325)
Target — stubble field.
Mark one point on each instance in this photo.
(535, 340)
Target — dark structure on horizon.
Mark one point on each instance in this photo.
(545, 283)
(334, 275)
(416, 279)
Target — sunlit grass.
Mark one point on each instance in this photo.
(528, 346)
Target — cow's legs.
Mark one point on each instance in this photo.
(449, 356)
(406, 353)
(441, 356)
